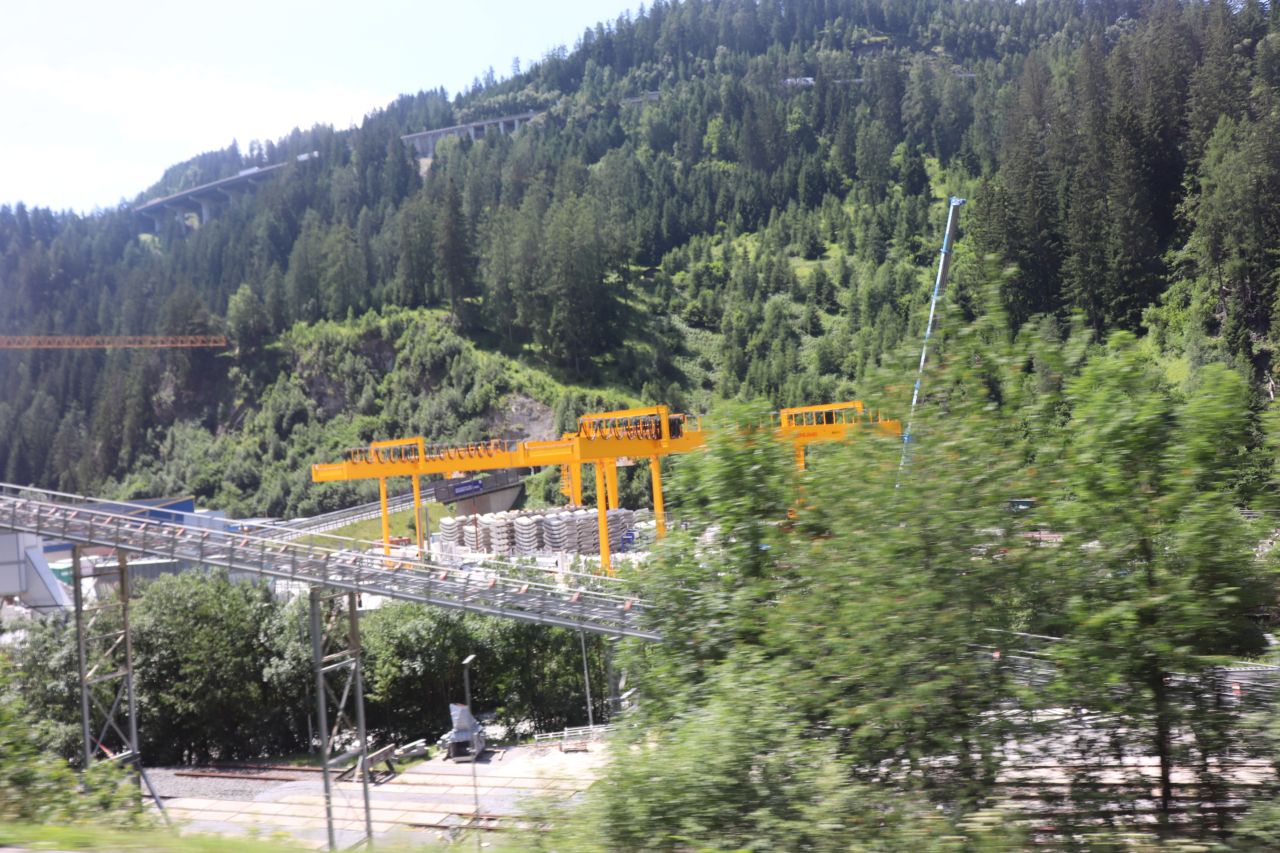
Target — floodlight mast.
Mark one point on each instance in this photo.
(475, 755)
(944, 267)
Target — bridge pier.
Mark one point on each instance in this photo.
(424, 142)
(157, 221)
(204, 199)
(181, 207)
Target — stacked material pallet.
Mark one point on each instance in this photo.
(559, 532)
(499, 533)
(587, 533)
(619, 521)
(474, 536)
(528, 534)
(450, 531)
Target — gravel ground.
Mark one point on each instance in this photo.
(169, 784)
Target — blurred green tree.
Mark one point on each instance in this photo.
(1160, 565)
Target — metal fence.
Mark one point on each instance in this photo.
(300, 527)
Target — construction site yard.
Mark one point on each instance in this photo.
(430, 802)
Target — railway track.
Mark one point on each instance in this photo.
(252, 772)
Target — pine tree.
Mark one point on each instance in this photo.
(344, 280)
(1219, 85)
(1159, 564)
(455, 266)
(1028, 181)
(1085, 266)
(1130, 243)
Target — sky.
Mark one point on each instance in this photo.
(99, 97)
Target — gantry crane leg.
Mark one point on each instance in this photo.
(659, 514)
(611, 481)
(386, 520)
(417, 513)
(606, 564)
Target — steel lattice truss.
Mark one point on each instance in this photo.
(337, 661)
(105, 663)
(588, 603)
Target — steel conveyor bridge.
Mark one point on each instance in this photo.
(591, 603)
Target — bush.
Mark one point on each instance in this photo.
(37, 786)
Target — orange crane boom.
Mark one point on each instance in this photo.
(111, 341)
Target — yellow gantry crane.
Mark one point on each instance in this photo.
(601, 440)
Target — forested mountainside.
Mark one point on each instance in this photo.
(721, 199)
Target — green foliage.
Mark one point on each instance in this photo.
(858, 640)
(224, 672)
(37, 786)
(530, 676)
(346, 384)
(220, 668)
(98, 837)
(1160, 568)
(48, 682)
(738, 772)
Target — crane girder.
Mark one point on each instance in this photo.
(601, 437)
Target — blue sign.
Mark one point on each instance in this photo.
(470, 487)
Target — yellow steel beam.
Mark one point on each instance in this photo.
(805, 425)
